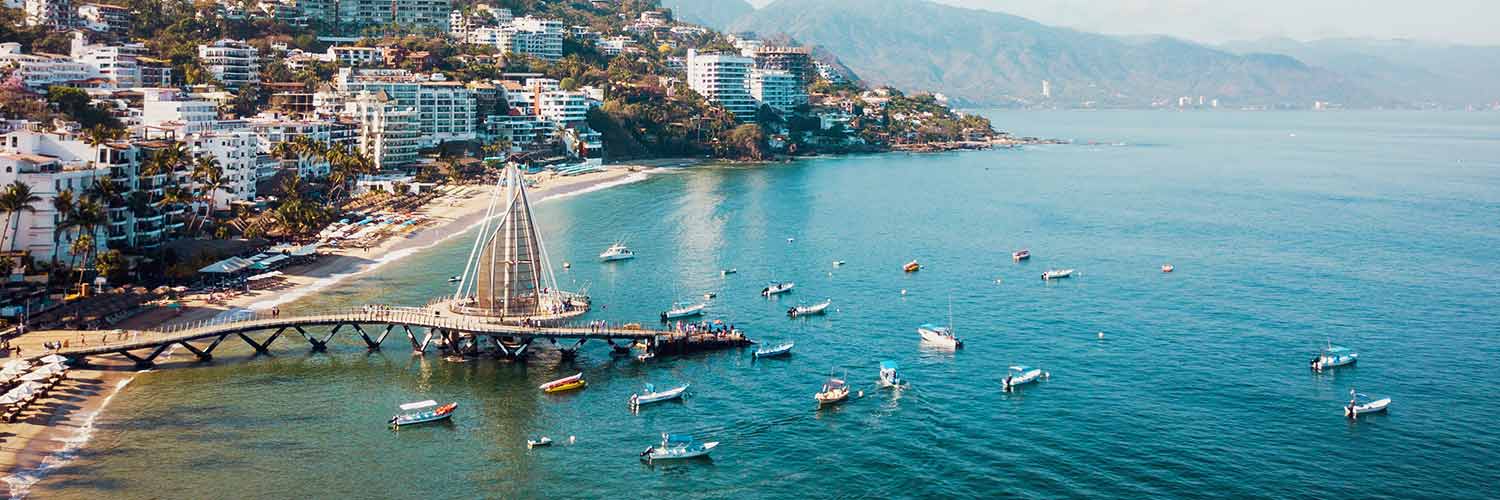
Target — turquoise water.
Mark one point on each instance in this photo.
(1287, 230)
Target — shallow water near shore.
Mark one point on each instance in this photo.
(1373, 230)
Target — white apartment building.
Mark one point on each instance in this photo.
(723, 80)
(781, 90)
(355, 56)
(55, 13)
(389, 133)
(273, 130)
(531, 36)
(614, 45)
(445, 110)
(418, 13)
(232, 62)
(178, 111)
(564, 107)
(236, 151)
(117, 63)
(38, 72)
(51, 162)
(459, 25)
(104, 18)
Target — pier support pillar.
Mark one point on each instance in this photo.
(148, 360)
(374, 345)
(262, 347)
(317, 345)
(205, 354)
(570, 353)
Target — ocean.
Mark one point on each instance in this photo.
(1376, 231)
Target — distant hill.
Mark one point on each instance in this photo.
(711, 13)
(1422, 73)
(984, 57)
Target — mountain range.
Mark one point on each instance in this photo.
(981, 57)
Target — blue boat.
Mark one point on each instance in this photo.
(677, 446)
(778, 350)
(890, 376)
(422, 412)
(1332, 357)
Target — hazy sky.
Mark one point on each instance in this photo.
(1213, 21)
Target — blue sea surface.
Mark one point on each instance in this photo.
(1288, 231)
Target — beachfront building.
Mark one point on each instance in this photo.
(236, 152)
(50, 163)
(39, 71)
(566, 108)
(445, 110)
(724, 80)
(428, 14)
(104, 18)
(389, 133)
(233, 63)
(173, 110)
(329, 132)
(778, 89)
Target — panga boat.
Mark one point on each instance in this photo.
(911, 267)
(455, 279)
(617, 251)
(889, 376)
(838, 263)
(781, 349)
(1333, 356)
(537, 443)
(564, 384)
(939, 335)
(818, 308)
(677, 446)
(422, 412)
(776, 287)
(727, 272)
(1057, 274)
(646, 356)
(1022, 254)
(683, 311)
(1360, 404)
(1167, 268)
(1021, 375)
(651, 396)
(834, 390)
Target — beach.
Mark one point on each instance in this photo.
(58, 426)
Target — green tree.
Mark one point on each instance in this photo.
(16, 198)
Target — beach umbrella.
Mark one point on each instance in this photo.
(36, 376)
(17, 364)
(27, 388)
(12, 397)
(53, 358)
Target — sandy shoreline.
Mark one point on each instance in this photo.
(50, 433)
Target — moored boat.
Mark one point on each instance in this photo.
(834, 391)
(1021, 375)
(422, 412)
(538, 443)
(1167, 268)
(1361, 404)
(1021, 254)
(727, 272)
(679, 310)
(1333, 356)
(777, 287)
(890, 376)
(1057, 274)
(818, 308)
(939, 335)
(617, 251)
(781, 349)
(455, 279)
(677, 446)
(652, 396)
(564, 384)
(838, 263)
(911, 267)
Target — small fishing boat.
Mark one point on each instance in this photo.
(1333, 356)
(710, 296)
(939, 335)
(564, 384)
(889, 376)
(1167, 268)
(617, 251)
(727, 272)
(818, 308)
(781, 349)
(646, 356)
(567, 265)
(1360, 404)
(651, 396)
(679, 310)
(539, 442)
(455, 279)
(834, 391)
(1057, 274)
(1021, 375)
(1021, 254)
(677, 446)
(776, 287)
(911, 267)
(422, 412)
(838, 263)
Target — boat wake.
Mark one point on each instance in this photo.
(20, 482)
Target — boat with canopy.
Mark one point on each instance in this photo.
(422, 412)
(677, 446)
(1021, 375)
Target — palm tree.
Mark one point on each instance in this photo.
(16, 198)
(83, 245)
(87, 217)
(64, 204)
(209, 177)
(99, 135)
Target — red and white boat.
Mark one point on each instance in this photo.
(1021, 254)
(1167, 268)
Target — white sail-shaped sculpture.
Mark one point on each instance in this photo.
(508, 274)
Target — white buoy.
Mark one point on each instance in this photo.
(572, 440)
(1101, 335)
(903, 291)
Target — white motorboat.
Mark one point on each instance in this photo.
(818, 308)
(677, 446)
(838, 263)
(652, 396)
(781, 349)
(727, 272)
(1057, 274)
(538, 443)
(617, 251)
(889, 375)
(645, 356)
(1020, 255)
(455, 279)
(1021, 375)
(1360, 404)
(939, 336)
(679, 310)
(777, 287)
(1333, 356)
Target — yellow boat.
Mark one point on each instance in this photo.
(911, 267)
(576, 384)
